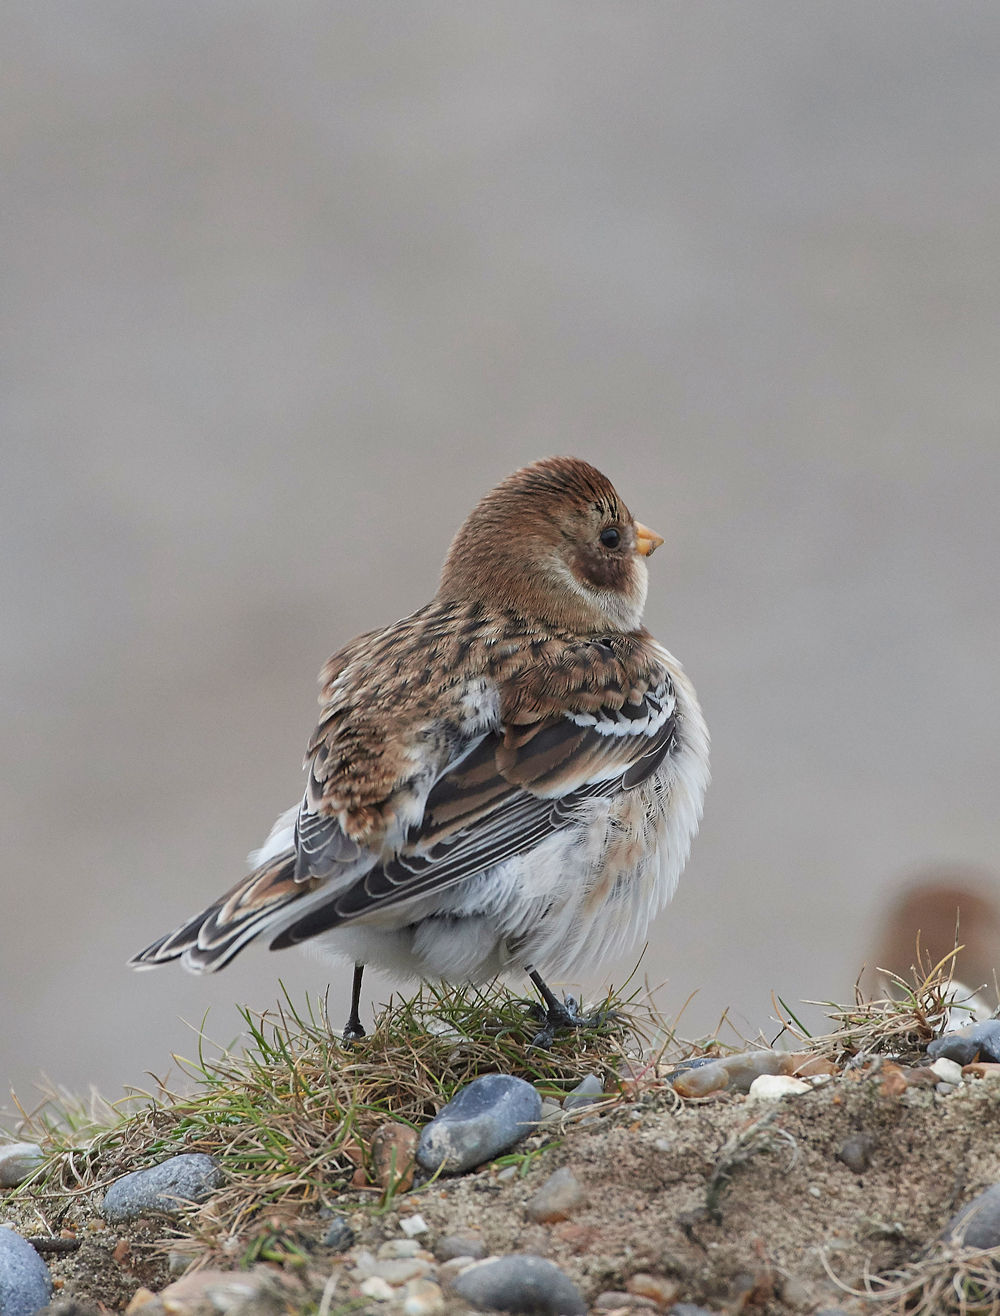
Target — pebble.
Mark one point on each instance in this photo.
(559, 1196)
(520, 1282)
(398, 1247)
(340, 1235)
(139, 1299)
(207, 1289)
(734, 1073)
(855, 1152)
(507, 1173)
(948, 1071)
(485, 1119)
(25, 1285)
(449, 1270)
(376, 1288)
(394, 1148)
(470, 1246)
(394, 1272)
(164, 1188)
(772, 1087)
(662, 1291)
(689, 1309)
(423, 1298)
(19, 1161)
(585, 1093)
(611, 1300)
(551, 1110)
(946, 1089)
(983, 1229)
(964, 1044)
(413, 1225)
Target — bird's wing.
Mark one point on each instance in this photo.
(503, 797)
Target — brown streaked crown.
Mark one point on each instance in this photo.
(533, 546)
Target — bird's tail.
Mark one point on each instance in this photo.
(259, 903)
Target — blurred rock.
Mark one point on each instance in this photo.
(423, 1298)
(659, 1290)
(25, 1284)
(558, 1197)
(589, 1090)
(18, 1161)
(340, 1235)
(520, 1282)
(394, 1149)
(163, 1188)
(486, 1118)
(460, 1245)
(977, 1224)
(855, 1152)
(964, 1045)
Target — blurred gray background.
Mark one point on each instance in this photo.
(286, 288)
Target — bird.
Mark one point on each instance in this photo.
(506, 781)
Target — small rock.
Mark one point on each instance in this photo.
(831, 1311)
(689, 1309)
(733, 1073)
(398, 1247)
(520, 1282)
(423, 1298)
(855, 1152)
(946, 1089)
(585, 1093)
(559, 1196)
(661, 1291)
(164, 1188)
(219, 1290)
(964, 1044)
(507, 1173)
(611, 1300)
(177, 1263)
(25, 1284)
(399, 1271)
(551, 1110)
(948, 1071)
(977, 1224)
(139, 1299)
(376, 1288)
(394, 1148)
(469, 1246)
(486, 1118)
(19, 1161)
(450, 1270)
(413, 1225)
(981, 1069)
(340, 1235)
(772, 1087)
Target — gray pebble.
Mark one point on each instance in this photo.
(965, 1044)
(18, 1161)
(25, 1286)
(855, 1152)
(689, 1309)
(558, 1197)
(162, 1189)
(340, 1235)
(591, 1089)
(486, 1118)
(983, 1229)
(831, 1311)
(459, 1245)
(520, 1283)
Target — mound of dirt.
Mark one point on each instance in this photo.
(732, 1204)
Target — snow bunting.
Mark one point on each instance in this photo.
(507, 780)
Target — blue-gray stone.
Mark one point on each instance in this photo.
(163, 1189)
(487, 1117)
(585, 1093)
(690, 1309)
(964, 1044)
(25, 1286)
(19, 1161)
(340, 1235)
(520, 1282)
(977, 1224)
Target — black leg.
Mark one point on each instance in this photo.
(355, 1029)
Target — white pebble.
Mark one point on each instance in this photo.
(771, 1087)
(948, 1071)
(662, 1144)
(814, 1191)
(507, 1173)
(412, 1225)
(19, 1160)
(398, 1247)
(376, 1288)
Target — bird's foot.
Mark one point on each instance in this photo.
(354, 1031)
(560, 1017)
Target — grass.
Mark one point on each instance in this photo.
(291, 1117)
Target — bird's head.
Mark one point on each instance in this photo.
(555, 543)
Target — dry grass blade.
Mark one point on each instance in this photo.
(948, 1282)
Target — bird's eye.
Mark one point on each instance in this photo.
(610, 538)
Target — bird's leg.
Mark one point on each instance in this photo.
(558, 1014)
(355, 1029)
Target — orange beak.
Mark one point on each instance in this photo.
(646, 541)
